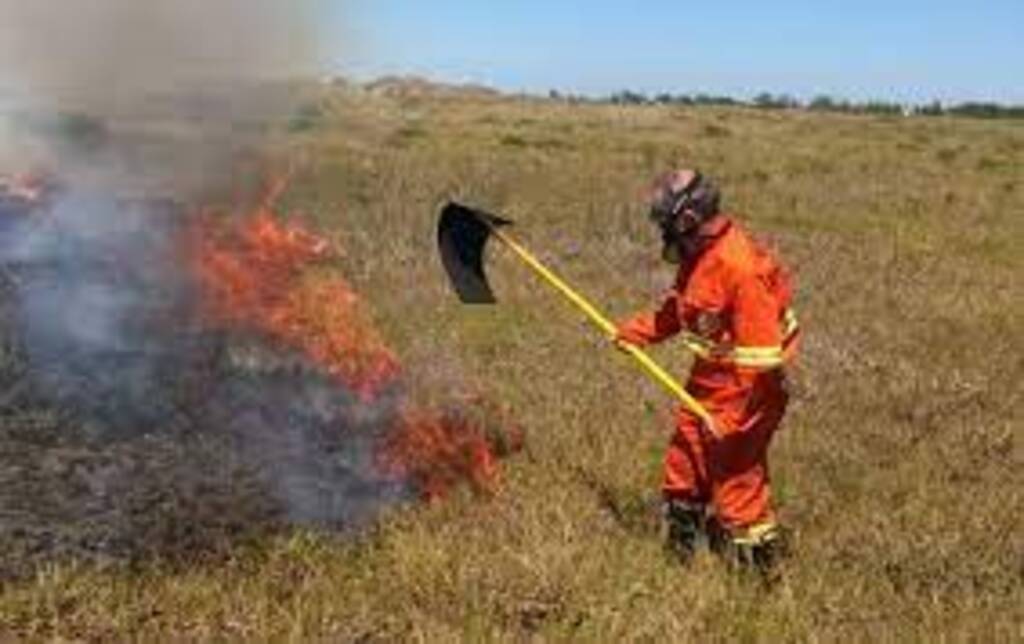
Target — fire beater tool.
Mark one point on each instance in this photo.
(462, 234)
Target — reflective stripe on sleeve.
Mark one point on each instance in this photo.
(757, 357)
(750, 357)
(753, 357)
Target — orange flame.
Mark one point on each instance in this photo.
(434, 452)
(253, 274)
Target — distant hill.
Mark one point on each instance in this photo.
(418, 87)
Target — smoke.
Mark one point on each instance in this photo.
(96, 279)
(146, 96)
(132, 421)
(116, 51)
(127, 424)
(165, 433)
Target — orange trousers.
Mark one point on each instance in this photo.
(730, 473)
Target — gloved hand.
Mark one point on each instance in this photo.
(620, 344)
(713, 430)
(623, 340)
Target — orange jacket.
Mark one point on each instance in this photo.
(732, 306)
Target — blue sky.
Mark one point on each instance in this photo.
(897, 50)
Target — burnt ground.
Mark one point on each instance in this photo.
(234, 439)
(64, 495)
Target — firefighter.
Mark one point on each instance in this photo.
(730, 303)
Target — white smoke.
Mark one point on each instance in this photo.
(179, 89)
(118, 50)
(136, 107)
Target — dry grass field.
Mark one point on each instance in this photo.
(900, 468)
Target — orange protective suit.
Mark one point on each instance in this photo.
(732, 306)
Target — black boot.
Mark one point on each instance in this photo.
(685, 521)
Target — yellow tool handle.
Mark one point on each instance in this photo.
(649, 365)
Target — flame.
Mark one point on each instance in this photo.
(254, 273)
(435, 451)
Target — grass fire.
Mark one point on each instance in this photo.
(218, 415)
(254, 273)
(164, 337)
(276, 364)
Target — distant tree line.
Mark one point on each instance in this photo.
(821, 103)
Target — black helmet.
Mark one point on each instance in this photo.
(682, 200)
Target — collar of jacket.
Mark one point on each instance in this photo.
(709, 232)
(715, 227)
